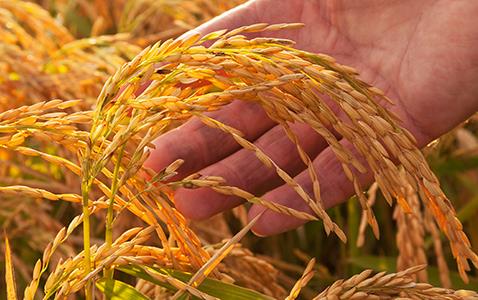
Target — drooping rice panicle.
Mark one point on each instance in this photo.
(389, 286)
(410, 237)
(291, 85)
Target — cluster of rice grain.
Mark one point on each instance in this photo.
(38, 121)
(390, 286)
(40, 60)
(410, 236)
(288, 84)
(414, 228)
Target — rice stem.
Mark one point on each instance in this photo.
(86, 238)
(109, 216)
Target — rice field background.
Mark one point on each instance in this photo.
(86, 87)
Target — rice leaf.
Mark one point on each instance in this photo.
(9, 273)
(454, 165)
(209, 286)
(119, 290)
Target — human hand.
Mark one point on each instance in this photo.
(422, 54)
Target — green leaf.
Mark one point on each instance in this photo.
(119, 290)
(453, 165)
(383, 263)
(470, 208)
(209, 286)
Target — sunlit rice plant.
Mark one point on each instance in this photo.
(185, 79)
(100, 147)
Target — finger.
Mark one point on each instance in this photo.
(233, 18)
(199, 145)
(256, 11)
(335, 188)
(244, 170)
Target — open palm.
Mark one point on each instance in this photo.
(422, 54)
